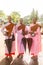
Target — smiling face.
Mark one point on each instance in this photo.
(34, 20)
(21, 20)
(9, 18)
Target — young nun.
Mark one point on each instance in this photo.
(9, 38)
(35, 34)
(20, 34)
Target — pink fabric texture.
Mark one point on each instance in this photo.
(36, 45)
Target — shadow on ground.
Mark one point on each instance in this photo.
(21, 62)
(4, 61)
(17, 61)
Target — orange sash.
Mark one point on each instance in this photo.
(35, 27)
(22, 26)
(9, 28)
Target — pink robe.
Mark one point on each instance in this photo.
(36, 45)
(13, 46)
(20, 46)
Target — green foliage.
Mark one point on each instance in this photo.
(28, 18)
(41, 18)
(2, 14)
(15, 16)
(33, 14)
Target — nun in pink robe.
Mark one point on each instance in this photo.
(13, 45)
(36, 44)
(20, 46)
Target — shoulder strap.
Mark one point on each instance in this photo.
(35, 27)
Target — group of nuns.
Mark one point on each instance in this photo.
(21, 35)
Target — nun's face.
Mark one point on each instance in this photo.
(9, 18)
(34, 20)
(21, 21)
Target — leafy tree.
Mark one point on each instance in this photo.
(15, 16)
(33, 14)
(2, 17)
(2, 14)
(28, 18)
(41, 18)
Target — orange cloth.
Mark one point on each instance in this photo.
(9, 28)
